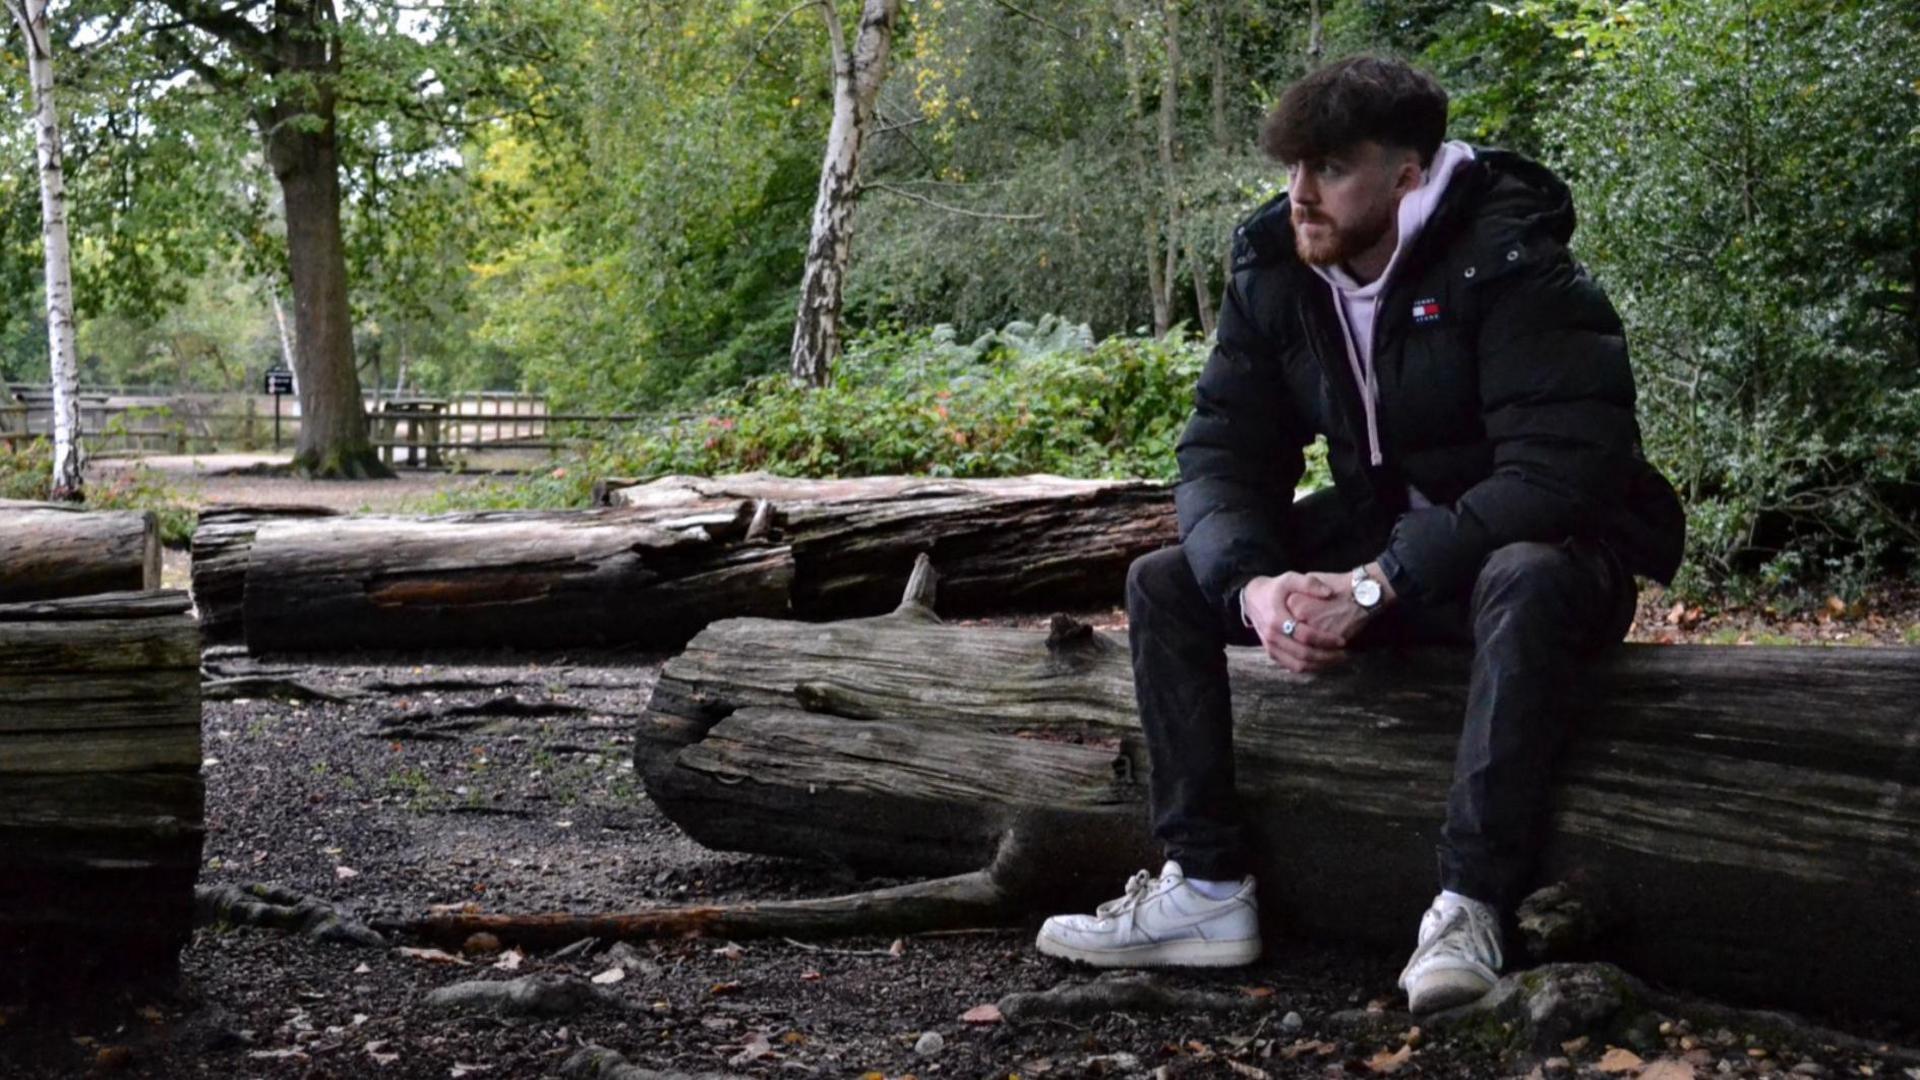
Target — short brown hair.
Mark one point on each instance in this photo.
(1358, 99)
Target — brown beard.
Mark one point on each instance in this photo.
(1343, 242)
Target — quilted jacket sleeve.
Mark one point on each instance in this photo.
(1240, 457)
(1557, 403)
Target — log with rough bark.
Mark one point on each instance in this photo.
(222, 544)
(100, 789)
(1746, 819)
(294, 579)
(1031, 543)
(505, 580)
(50, 550)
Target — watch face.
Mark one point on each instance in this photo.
(1367, 593)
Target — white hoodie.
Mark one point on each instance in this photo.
(1357, 304)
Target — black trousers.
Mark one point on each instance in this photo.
(1535, 611)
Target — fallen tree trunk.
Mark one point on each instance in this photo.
(100, 789)
(525, 580)
(664, 560)
(49, 550)
(1747, 818)
(1032, 543)
(222, 544)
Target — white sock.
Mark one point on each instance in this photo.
(1450, 900)
(1215, 890)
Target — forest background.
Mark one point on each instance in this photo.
(609, 203)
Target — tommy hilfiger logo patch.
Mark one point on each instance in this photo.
(1426, 311)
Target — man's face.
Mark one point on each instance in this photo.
(1344, 205)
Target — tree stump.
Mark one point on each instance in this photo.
(1748, 817)
(100, 790)
(51, 550)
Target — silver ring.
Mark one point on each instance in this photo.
(1287, 628)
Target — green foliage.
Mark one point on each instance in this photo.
(26, 472)
(1029, 398)
(26, 469)
(1750, 186)
(140, 488)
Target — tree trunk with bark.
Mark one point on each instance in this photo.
(1033, 543)
(100, 791)
(857, 77)
(49, 551)
(514, 580)
(68, 482)
(222, 546)
(1714, 796)
(302, 579)
(298, 129)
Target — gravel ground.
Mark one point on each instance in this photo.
(527, 801)
(507, 784)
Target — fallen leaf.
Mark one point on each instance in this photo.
(1668, 1069)
(730, 951)
(1574, 1046)
(432, 956)
(345, 873)
(793, 1038)
(982, 1014)
(363, 969)
(1675, 613)
(1308, 1046)
(1246, 1070)
(1836, 606)
(461, 1068)
(1390, 1061)
(756, 1048)
(724, 988)
(1618, 1061)
(1257, 991)
(811, 976)
(510, 960)
(898, 948)
(1379, 1005)
(610, 976)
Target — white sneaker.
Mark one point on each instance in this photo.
(1163, 922)
(1458, 958)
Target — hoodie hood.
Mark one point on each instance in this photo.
(1415, 209)
(1501, 196)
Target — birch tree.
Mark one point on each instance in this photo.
(31, 17)
(857, 76)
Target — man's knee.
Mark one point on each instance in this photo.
(1159, 579)
(1527, 576)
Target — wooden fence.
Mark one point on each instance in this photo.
(410, 430)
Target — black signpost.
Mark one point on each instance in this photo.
(279, 383)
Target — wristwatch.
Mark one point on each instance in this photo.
(1366, 591)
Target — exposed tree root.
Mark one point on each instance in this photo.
(1134, 993)
(275, 907)
(546, 996)
(1543, 1007)
(965, 900)
(358, 464)
(268, 686)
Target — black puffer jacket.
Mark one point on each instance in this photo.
(1511, 406)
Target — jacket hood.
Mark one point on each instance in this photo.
(1500, 196)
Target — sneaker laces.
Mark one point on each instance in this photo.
(1467, 932)
(1139, 887)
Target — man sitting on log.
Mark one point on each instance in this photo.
(1413, 301)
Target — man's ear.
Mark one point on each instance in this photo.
(1407, 172)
